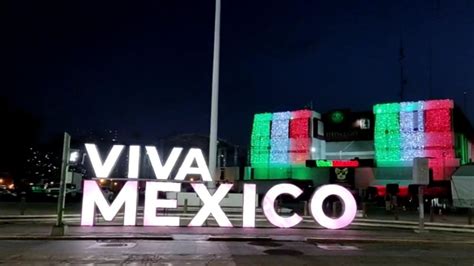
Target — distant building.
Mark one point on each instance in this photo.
(362, 148)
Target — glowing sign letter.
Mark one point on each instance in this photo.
(162, 171)
(211, 205)
(269, 205)
(248, 217)
(133, 161)
(151, 203)
(103, 170)
(93, 196)
(348, 201)
(201, 169)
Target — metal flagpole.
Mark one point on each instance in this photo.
(215, 94)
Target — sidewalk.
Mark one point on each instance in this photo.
(42, 232)
(379, 213)
(12, 209)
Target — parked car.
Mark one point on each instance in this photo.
(108, 194)
(53, 191)
(6, 194)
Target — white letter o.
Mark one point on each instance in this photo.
(348, 202)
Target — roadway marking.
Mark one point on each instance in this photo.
(337, 247)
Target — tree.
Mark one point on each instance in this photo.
(19, 132)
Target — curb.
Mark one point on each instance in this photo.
(238, 238)
(46, 237)
(387, 240)
(312, 240)
(399, 222)
(415, 226)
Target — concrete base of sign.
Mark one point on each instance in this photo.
(424, 231)
(60, 230)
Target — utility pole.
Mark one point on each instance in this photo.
(464, 102)
(59, 229)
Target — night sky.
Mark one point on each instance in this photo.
(146, 67)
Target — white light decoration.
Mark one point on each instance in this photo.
(280, 128)
(248, 216)
(201, 169)
(279, 150)
(211, 205)
(268, 205)
(93, 196)
(348, 201)
(279, 157)
(280, 142)
(103, 170)
(151, 203)
(162, 172)
(412, 134)
(412, 145)
(281, 116)
(127, 198)
(133, 161)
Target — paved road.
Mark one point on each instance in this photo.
(189, 251)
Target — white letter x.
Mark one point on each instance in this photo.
(211, 205)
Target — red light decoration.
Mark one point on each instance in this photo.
(299, 150)
(439, 140)
(438, 120)
(301, 114)
(439, 137)
(299, 128)
(438, 104)
(382, 190)
(345, 163)
(299, 157)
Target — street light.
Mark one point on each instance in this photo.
(74, 157)
(215, 93)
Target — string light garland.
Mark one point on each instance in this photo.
(407, 130)
(281, 140)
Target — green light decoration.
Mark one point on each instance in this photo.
(297, 172)
(462, 148)
(387, 108)
(323, 163)
(263, 117)
(387, 133)
(260, 139)
(337, 117)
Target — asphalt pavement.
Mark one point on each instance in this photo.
(27, 240)
(197, 252)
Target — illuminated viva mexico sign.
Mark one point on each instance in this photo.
(128, 196)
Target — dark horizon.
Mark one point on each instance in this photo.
(146, 68)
